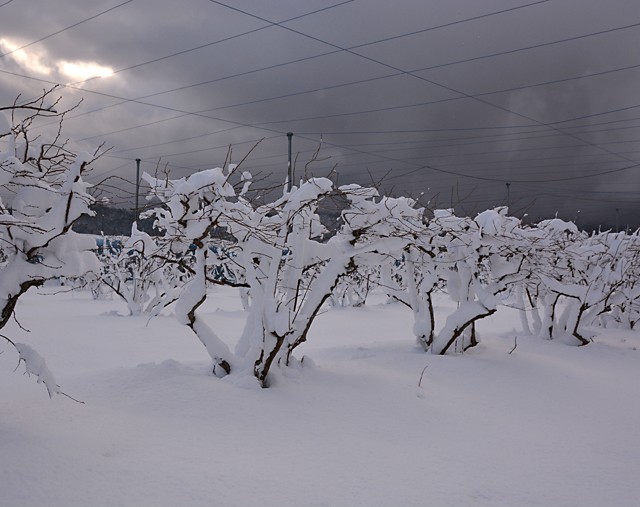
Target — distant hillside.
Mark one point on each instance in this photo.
(111, 222)
(117, 222)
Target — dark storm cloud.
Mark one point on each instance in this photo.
(442, 97)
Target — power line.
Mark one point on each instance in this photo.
(447, 64)
(213, 43)
(242, 125)
(112, 170)
(482, 142)
(270, 24)
(422, 69)
(337, 48)
(434, 83)
(395, 74)
(224, 146)
(440, 169)
(513, 165)
(420, 167)
(419, 131)
(324, 54)
(64, 29)
(454, 99)
(390, 108)
(578, 197)
(524, 48)
(492, 127)
(497, 138)
(290, 62)
(511, 180)
(135, 127)
(123, 100)
(103, 94)
(543, 187)
(499, 166)
(181, 140)
(143, 161)
(362, 152)
(166, 155)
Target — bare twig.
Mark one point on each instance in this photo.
(422, 375)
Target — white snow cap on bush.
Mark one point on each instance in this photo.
(35, 365)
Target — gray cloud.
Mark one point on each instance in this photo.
(417, 107)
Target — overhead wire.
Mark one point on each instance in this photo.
(104, 94)
(220, 147)
(371, 43)
(75, 86)
(422, 167)
(123, 100)
(406, 106)
(454, 99)
(300, 60)
(497, 138)
(242, 125)
(493, 127)
(406, 131)
(90, 18)
(426, 80)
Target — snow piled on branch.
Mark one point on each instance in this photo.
(36, 238)
(35, 364)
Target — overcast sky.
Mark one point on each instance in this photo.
(472, 103)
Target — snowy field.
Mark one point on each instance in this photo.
(548, 425)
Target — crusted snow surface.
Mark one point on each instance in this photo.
(547, 425)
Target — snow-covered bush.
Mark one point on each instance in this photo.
(624, 303)
(589, 276)
(49, 195)
(412, 280)
(475, 261)
(193, 208)
(353, 289)
(282, 256)
(143, 273)
(108, 250)
(566, 280)
(288, 266)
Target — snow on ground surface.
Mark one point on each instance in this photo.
(548, 425)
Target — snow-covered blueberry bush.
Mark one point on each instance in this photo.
(47, 195)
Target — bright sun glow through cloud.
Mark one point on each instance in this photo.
(84, 70)
(27, 59)
(34, 61)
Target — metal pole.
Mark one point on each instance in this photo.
(508, 194)
(137, 186)
(289, 164)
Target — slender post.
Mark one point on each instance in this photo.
(137, 186)
(508, 193)
(289, 164)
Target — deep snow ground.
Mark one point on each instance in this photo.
(549, 425)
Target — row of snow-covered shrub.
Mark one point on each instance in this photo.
(560, 278)
(288, 266)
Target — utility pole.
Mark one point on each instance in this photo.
(137, 187)
(508, 193)
(289, 164)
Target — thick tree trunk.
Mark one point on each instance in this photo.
(576, 333)
(453, 330)
(267, 355)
